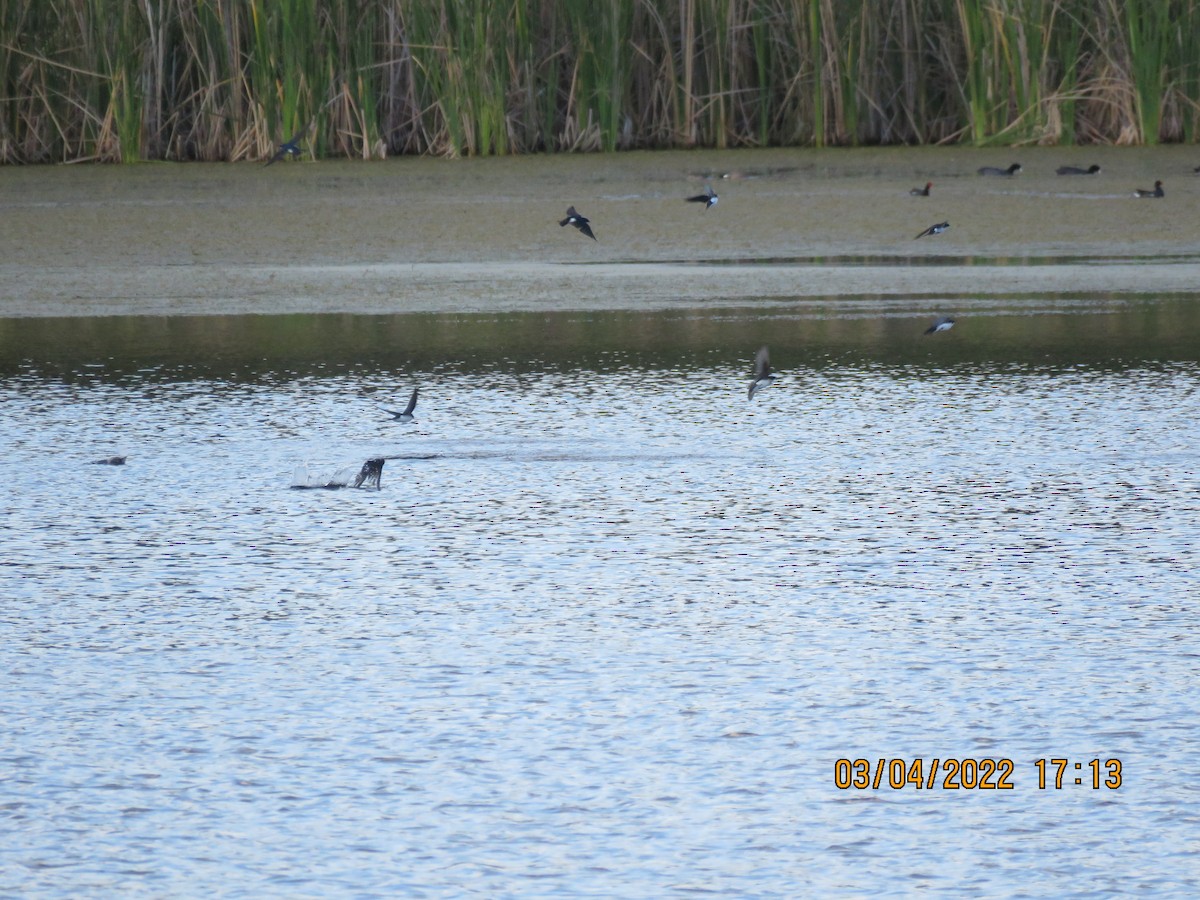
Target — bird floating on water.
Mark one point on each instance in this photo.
(992, 170)
(1157, 192)
(406, 414)
(934, 229)
(1076, 170)
(580, 222)
(922, 192)
(763, 376)
(944, 323)
(709, 199)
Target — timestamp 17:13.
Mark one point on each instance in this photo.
(1055, 772)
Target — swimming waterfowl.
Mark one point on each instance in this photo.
(110, 461)
(922, 192)
(934, 229)
(992, 170)
(944, 323)
(1157, 192)
(1075, 170)
(763, 376)
(580, 222)
(406, 414)
(709, 199)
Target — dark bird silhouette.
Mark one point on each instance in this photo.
(110, 461)
(1075, 170)
(708, 198)
(945, 323)
(934, 229)
(922, 192)
(763, 376)
(580, 222)
(371, 473)
(290, 147)
(992, 170)
(1157, 192)
(406, 414)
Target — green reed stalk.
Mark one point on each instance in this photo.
(352, 104)
(974, 77)
(760, 40)
(817, 66)
(600, 65)
(1064, 43)
(716, 40)
(1186, 53)
(1147, 24)
(229, 79)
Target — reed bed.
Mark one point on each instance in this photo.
(122, 80)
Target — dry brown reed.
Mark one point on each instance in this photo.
(230, 79)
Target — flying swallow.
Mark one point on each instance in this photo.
(944, 323)
(709, 199)
(934, 229)
(406, 414)
(763, 376)
(290, 147)
(580, 222)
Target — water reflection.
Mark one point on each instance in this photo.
(1059, 333)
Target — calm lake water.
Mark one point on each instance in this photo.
(607, 627)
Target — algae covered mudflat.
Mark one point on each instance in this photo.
(431, 235)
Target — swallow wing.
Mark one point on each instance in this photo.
(762, 364)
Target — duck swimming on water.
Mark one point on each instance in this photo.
(992, 170)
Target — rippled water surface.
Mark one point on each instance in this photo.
(607, 627)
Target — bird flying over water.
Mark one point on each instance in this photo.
(290, 147)
(580, 222)
(922, 192)
(406, 414)
(934, 229)
(709, 199)
(1157, 192)
(763, 376)
(943, 323)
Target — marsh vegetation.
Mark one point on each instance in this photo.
(114, 80)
